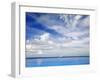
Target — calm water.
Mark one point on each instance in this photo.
(39, 62)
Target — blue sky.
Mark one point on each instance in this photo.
(73, 28)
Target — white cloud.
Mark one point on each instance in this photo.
(84, 22)
(60, 29)
(67, 33)
(44, 36)
(70, 20)
(78, 17)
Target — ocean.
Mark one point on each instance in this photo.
(57, 61)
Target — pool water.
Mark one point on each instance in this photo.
(40, 62)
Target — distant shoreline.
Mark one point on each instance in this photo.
(54, 57)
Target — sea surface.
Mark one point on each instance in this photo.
(57, 61)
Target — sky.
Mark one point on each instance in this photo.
(71, 30)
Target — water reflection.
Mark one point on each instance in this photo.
(39, 61)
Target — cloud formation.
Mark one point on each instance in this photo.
(69, 30)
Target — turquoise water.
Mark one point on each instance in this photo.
(40, 62)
